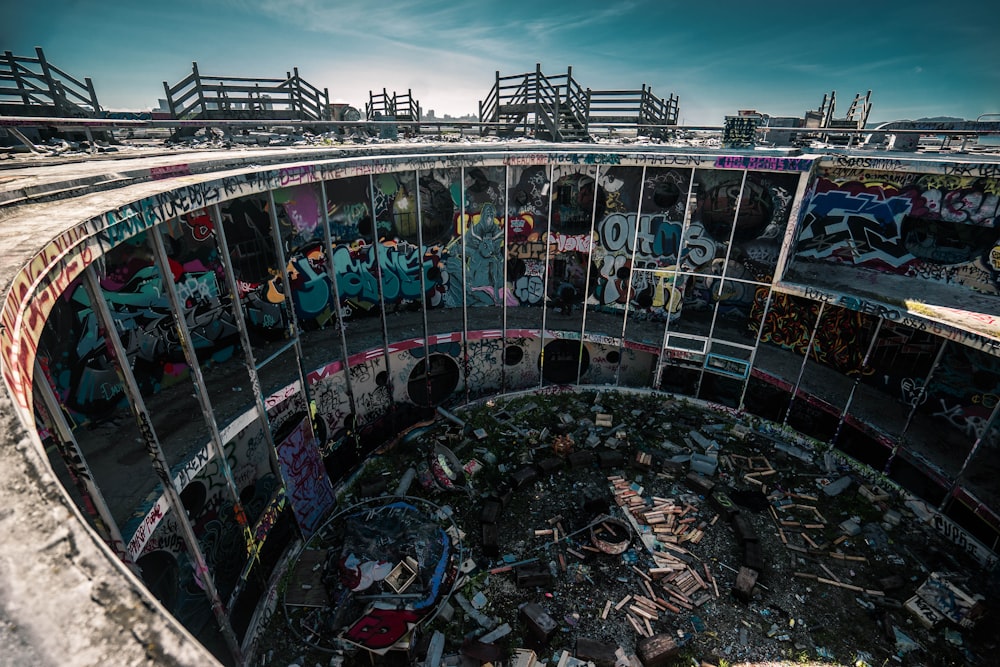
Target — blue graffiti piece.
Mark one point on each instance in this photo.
(883, 211)
(312, 296)
(666, 236)
(400, 265)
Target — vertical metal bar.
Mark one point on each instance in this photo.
(466, 223)
(187, 347)
(972, 452)
(756, 344)
(791, 226)
(722, 279)
(332, 275)
(857, 381)
(805, 359)
(241, 325)
(159, 460)
(423, 287)
(293, 324)
(917, 400)
(586, 280)
(376, 246)
(506, 249)
(545, 284)
(685, 225)
(80, 470)
(631, 272)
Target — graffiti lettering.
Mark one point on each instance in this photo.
(157, 173)
(764, 163)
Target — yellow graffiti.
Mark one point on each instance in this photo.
(665, 281)
(946, 182)
(995, 258)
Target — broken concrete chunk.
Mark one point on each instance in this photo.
(850, 527)
(656, 650)
(837, 487)
(540, 624)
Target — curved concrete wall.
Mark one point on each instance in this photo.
(419, 280)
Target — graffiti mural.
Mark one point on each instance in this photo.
(308, 487)
(963, 391)
(933, 227)
(83, 375)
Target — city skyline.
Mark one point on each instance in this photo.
(779, 59)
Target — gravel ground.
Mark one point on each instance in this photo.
(821, 597)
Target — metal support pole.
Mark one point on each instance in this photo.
(722, 279)
(466, 222)
(79, 470)
(332, 275)
(503, 293)
(805, 359)
(631, 272)
(756, 344)
(376, 246)
(792, 225)
(293, 324)
(685, 225)
(241, 325)
(423, 286)
(586, 281)
(857, 382)
(201, 390)
(917, 400)
(972, 452)
(545, 285)
(159, 460)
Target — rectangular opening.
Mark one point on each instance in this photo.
(724, 365)
(687, 343)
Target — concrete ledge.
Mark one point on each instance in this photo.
(56, 575)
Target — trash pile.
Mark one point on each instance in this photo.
(635, 529)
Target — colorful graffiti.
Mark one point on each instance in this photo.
(83, 374)
(934, 227)
(308, 487)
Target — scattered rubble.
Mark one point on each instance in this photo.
(590, 536)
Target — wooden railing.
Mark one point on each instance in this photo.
(26, 81)
(641, 108)
(398, 106)
(560, 107)
(201, 96)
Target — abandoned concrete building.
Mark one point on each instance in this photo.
(213, 359)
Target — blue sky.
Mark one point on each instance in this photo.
(920, 58)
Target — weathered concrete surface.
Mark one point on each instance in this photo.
(64, 598)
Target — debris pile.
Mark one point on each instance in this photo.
(591, 536)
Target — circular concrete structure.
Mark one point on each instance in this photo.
(201, 348)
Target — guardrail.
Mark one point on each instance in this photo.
(21, 84)
(231, 96)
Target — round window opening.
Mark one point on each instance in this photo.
(512, 355)
(431, 383)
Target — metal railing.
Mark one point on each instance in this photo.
(640, 108)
